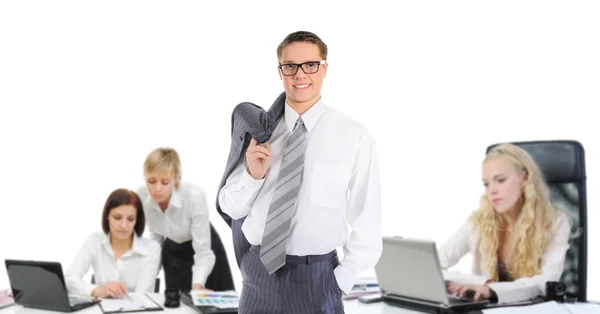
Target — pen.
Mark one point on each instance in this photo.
(83, 296)
(128, 297)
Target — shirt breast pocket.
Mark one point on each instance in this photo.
(329, 185)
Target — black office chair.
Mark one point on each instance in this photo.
(562, 162)
(220, 279)
(156, 284)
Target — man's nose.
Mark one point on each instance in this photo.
(300, 73)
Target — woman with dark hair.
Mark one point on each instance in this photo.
(122, 259)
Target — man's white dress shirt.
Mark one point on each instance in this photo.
(340, 190)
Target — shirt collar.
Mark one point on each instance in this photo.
(174, 201)
(176, 197)
(309, 118)
(138, 246)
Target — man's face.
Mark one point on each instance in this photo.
(302, 88)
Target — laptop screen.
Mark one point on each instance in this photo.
(410, 268)
(37, 284)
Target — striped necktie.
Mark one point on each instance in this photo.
(283, 204)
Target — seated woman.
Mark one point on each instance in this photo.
(122, 260)
(178, 218)
(517, 239)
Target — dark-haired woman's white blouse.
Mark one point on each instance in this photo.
(136, 269)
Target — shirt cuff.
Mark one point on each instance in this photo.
(345, 278)
(248, 181)
(89, 288)
(508, 292)
(200, 275)
(498, 291)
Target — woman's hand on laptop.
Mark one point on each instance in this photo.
(473, 291)
(113, 289)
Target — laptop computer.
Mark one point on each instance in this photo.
(41, 285)
(409, 273)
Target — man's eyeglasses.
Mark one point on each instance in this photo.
(310, 67)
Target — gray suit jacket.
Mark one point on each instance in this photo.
(247, 121)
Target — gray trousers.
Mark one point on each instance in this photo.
(305, 284)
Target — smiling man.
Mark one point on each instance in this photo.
(299, 192)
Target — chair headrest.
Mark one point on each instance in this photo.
(560, 161)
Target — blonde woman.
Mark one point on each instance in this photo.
(177, 217)
(517, 239)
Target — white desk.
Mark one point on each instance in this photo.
(351, 307)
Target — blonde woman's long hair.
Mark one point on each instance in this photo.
(532, 232)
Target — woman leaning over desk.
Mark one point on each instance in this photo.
(123, 261)
(177, 215)
(517, 239)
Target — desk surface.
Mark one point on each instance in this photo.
(351, 307)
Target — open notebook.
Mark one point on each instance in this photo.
(133, 302)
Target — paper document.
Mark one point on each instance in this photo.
(131, 302)
(359, 292)
(6, 298)
(366, 280)
(365, 285)
(582, 308)
(222, 300)
(540, 308)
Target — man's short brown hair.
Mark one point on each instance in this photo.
(303, 36)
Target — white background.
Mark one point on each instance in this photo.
(88, 89)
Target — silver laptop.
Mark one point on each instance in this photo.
(409, 271)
